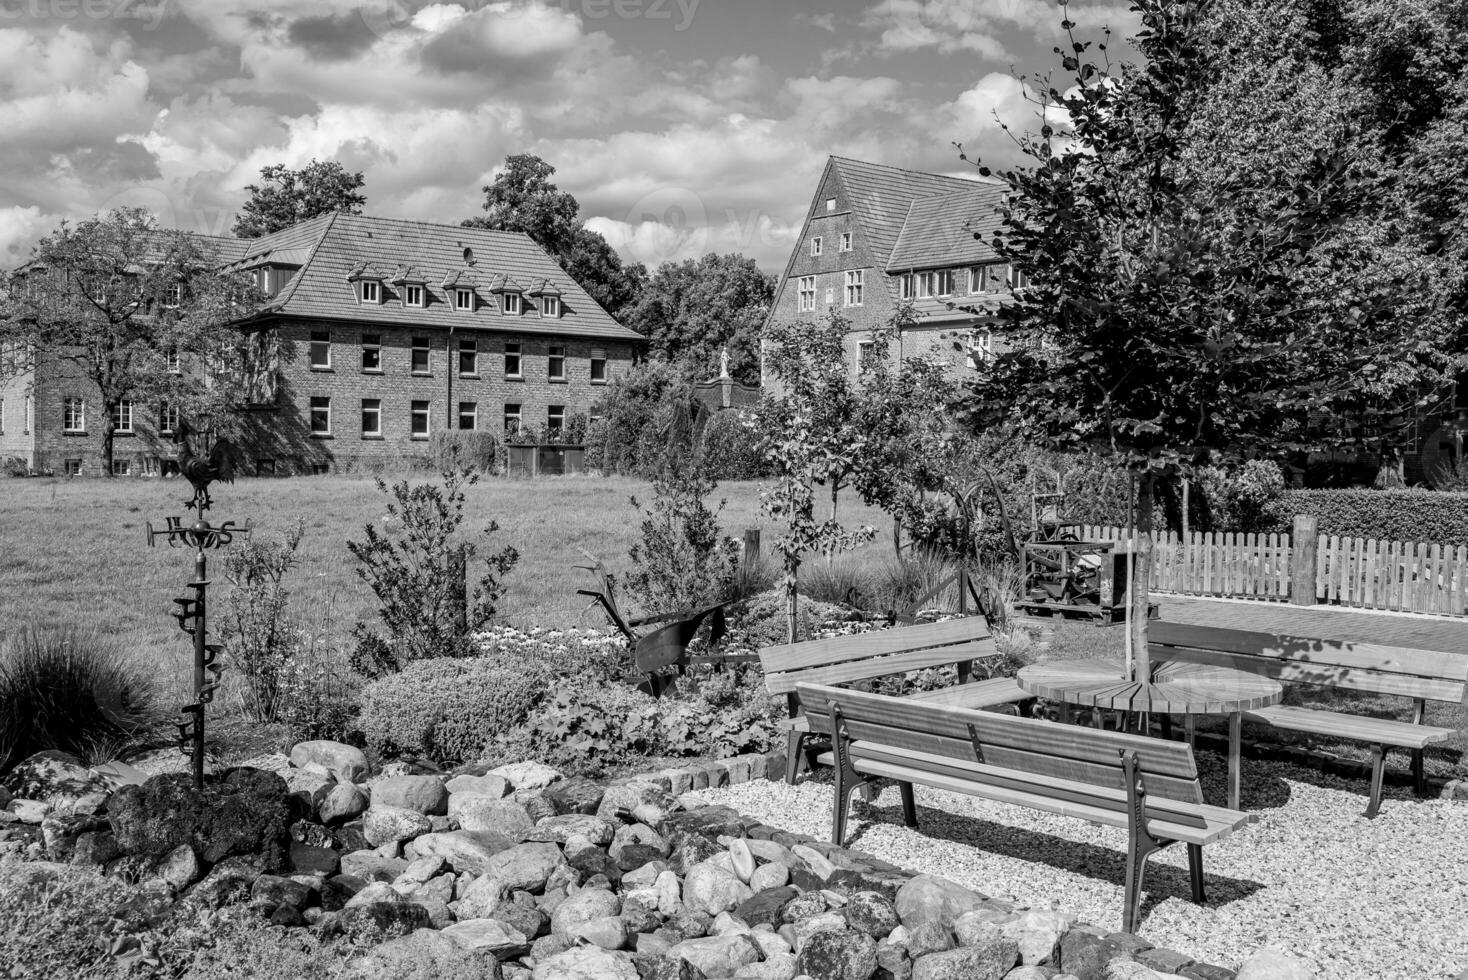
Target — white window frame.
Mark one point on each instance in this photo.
(845, 244)
(375, 408)
(312, 408)
(805, 294)
(473, 417)
(830, 204)
(924, 285)
(173, 296)
(551, 357)
(513, 304)
(517, 416)
(550, 307)
(172, 362)
(856, 287)
(865, 351)
(122, 417)
(369, 292)
(1016, 279)
(413, 295)
(905, 286)
(375, 346)
(122, 466)
(325, 345)
(413, 415)
(427, 348)
(817, 246)
(72, 467)
(598, 358)
(943, 282)
(975, 280)
(464, 300)
(550, 424)
(167, 418)
(74, 415)
(513, 349)
(469, 346)
(981, 341)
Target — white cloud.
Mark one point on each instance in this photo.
(20, 228)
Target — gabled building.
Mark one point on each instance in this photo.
(877, 239)
(375, 334)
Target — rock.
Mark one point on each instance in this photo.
(965, 963)
(481, 898)
(375, 922)
(273, 891)
(372, 867)
(178, 869)
(526, 918)
(421, 794)
(309, 860)
(575, 795)
(5, 797)
(228, 881)
(585, 963)
(524, 867)
(464, 850)
(629, 796)
(1038, 933)
(607, 931)
(585, 905)
(803, 906)
(424, 953)
(717, 956)
(670, 893)
(1086, 955)
(590, 860)
(491, 786)
(812, 925)
(1120, 969)
(1271, 963)
(742, 859)
(872, 913)
(500, 940)
(1029, 973)
(59, 832)
(307, 788)
(59, 780)
(486, 813)
(527, 775)
(376, 892)
(838, 955)
(928, 937)
(561, 829)
(342, 802)
(32, 812)
(770, 942)
(347, 764)
(709, 888)
(767, 876)
(893, 959)
(930, 899)
(384, 824)
(421, 870)
(95, 849)
(439, 915)
(243, 811)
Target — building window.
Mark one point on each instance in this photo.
(512, 418)
(468, 357)
(846, 241)
(556, 364)
(468, 416)
(173, 296)
(167, 418)
(413, 296)
(372, 353)
(866, 354)
(2, 416)
(511, 303)
(122, 467)
(1018, 279)
(905, 286)
(598, 366)
(815, 247)
(996, 277)
(26, 422)
(72, 467)
(807, 294)
(149, 465)
(555, 418)
(320, 350)
(925, 283)
(512, 360)
(420, 355)
(371, 418)
(464, 299)
(74, 415)
(320, 415)
(369, 290)
(550, 306)
(855, 282)
(172, 362)
(981, 348)
(419, 411)
(943, 282)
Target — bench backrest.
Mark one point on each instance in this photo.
(1371, 667)
(863, 656)
(1041, 748)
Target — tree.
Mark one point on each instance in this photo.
(118, 299)
(1166, 321)
(692, 310)
(286, 197)
(522, 198)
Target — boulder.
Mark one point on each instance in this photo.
(838, 955)
(524, 867)
(526, 918)
(228, 881)
(343, 802)
(464, 850)
(376, 892)
(347, 764)
(872, 913)
(585, 905)
(58, 779)
(527, 775)
(813, 925)
(928, 937)
(767, 876)
(1270, 963)
(308, 860)
(607, 931)
(709, 888)
(307, 789)
(503, 816)
(243, 811)
(1038, 933)
(385, 824)
(178, 869)
(930, 899)
(575, 795)
(717, 956)
(491, 786)
(372, 867)
(629, 796)
(585, 963)
(375, 922)
(424, 953)
(95, 849)
(480, 898)
(500, 940)
(561, 829)
(421, 794)
(742, 858)
(964, 963)
(32, 812)
(273, 891)
(781, 966)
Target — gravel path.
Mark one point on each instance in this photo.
(1361, 898)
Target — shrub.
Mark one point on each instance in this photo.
(843, 581)
(1450, 475)
(732, 447)
(456, 450)
(899, 583)
(448, 708)
(72, 690)
(1396, 515)
(416, 568)
(583, 729)
(724, 714)
(683, 561)
(261, 640)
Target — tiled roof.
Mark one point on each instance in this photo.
(339, 243)
(939, 231)
(882, 196)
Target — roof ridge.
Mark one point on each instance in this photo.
(438, 224)
(907, 170)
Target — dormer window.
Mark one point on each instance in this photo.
(369, 291)
(549, 297)
(550, 306)
(411, 286)
(510, 303)
(464, 299)
(413, 296)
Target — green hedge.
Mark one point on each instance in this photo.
(1396, 515)
(732, 446)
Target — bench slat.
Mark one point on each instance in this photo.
(868, 669)
(1386, 731)
(837, 649)
(1024, 734)
(974, 694)
(1317, 673)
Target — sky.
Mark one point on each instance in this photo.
(681, 126)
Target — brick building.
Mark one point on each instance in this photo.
(878, 238)
(376, 334)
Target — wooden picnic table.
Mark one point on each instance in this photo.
(1174, 688)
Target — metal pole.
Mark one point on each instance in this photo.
(201, 587)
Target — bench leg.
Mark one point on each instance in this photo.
(1419, 773)
(1195, 871)
(1136, 865)
(1166, 721)
(868, 790)
(793, 756)
(1190, 730)
(842, 804)
(1235, 763)
(1378, 769)
(909, 805)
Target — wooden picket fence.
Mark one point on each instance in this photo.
(1364, 573)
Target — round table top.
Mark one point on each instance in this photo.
(1175, 688)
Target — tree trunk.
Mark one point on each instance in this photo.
(107, 438)
(1140, 568)
(791, 595)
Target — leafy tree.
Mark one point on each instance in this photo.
(116, 299)
(286, 197)
(692, 310)
(649, 421)
(684, 561)
(522, 198)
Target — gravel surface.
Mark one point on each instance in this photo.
(1360, 898)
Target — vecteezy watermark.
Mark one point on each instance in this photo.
(681, 12)
(385, 17)
(148, 12)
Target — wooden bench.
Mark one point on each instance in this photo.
(1423, 675)
(1146, 785)
(883, 653)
